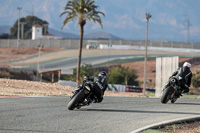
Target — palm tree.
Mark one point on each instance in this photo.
(82, 10)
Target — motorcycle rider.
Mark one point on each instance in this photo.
(97, 83)
(184, 75)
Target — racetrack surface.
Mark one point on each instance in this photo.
(67, 59)
(113, 115)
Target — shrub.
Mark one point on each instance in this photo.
(86, 70)
(196, 79)
(122, 75)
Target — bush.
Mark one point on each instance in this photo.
(116, 75)
(196, 79)
(4, 36)
(85, 70)
(122, 75)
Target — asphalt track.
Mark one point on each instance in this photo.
(113, 115)
(67, 59)
(69, 63)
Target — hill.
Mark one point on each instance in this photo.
(62, 34)
(102, 35)
(94, 35)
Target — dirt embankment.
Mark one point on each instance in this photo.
(9, 54)
(12, 87)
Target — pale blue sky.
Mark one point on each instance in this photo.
(124, 18)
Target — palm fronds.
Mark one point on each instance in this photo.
(82, 10)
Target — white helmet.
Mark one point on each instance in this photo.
(186, 64)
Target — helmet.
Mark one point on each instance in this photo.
(186, 64)
(86, 77)
(103, 73)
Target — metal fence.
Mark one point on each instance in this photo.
(74, 43)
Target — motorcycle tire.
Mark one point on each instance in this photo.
(167, 94)
(75, 100)
(176, 96)
(174, 100)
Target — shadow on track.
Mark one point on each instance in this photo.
(188, 103)
(138, 111)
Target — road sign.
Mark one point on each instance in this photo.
(67, 71)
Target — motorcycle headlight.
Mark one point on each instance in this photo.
(173, 80)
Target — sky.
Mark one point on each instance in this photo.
(123, 18)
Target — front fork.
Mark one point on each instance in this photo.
(176, 94)
(86, 100)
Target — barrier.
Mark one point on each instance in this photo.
(74, 43)
(165, 67)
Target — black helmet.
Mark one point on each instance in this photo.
(103, 73)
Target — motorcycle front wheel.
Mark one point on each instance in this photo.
(75, 100)
(167, 94)
(174, 100)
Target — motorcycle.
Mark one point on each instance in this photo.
(172, 91)
(81, 98)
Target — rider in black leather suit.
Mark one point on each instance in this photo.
(97, 83)
(184, 75)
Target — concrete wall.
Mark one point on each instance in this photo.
(165, 66)
(74, 43)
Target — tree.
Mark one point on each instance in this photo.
(196, 79)
(81, 10)
(4, 36)
(30, 21)
(122, 75)
(86, 70)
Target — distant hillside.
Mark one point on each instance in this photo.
(62, 34)
(95, 35)
(102, 35)
(5, 29)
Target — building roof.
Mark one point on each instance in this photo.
(36, 25)
(48, 35)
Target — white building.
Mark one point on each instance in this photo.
(37, 33)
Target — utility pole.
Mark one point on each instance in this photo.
(38, 64)
(145, 59)
(18, 39)
(22, 29)
(188, 26)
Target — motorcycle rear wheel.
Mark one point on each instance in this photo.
(75, 100)
(167, 94)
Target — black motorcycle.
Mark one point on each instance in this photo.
(172, 91)
(81, 98)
